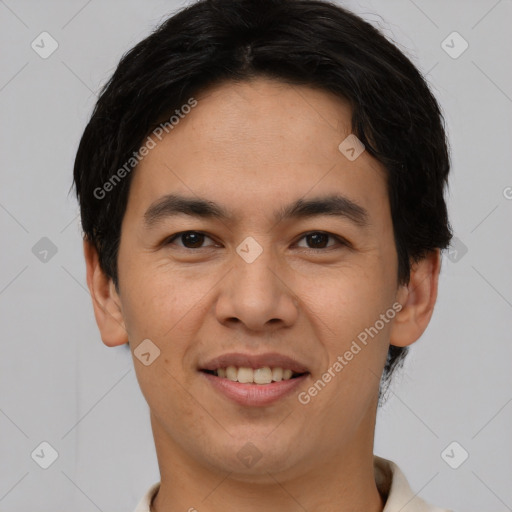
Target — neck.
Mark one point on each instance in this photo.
(342, 482)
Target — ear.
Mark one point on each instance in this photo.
(105, 300)
(418, 299)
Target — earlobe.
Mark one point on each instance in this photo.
(105, 300)
(418, 299)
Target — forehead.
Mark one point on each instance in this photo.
(257, 145)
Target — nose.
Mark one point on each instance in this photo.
(257, 294)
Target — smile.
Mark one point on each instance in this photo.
(245, 375)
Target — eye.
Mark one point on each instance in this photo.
(195, 240)
(189, 239)
(319, 238)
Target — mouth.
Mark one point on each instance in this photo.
(261, 376)
(254, 380)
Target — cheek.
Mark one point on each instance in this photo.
(149, 299)
(348, 299)
(346, 310)
(162, 303)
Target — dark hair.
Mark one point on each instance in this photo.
(301, 42)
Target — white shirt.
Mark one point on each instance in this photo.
(390, 481)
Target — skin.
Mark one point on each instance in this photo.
(253, 147)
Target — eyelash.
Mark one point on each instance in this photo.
(341, 241)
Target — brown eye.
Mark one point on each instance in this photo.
(188, 239)
(319, 240)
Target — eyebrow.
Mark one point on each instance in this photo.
(336, 205)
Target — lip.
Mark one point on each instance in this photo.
(254, 395)
(238, 359)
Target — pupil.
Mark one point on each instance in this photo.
(189, 237)
(317, 239)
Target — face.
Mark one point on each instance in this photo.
(303, 285)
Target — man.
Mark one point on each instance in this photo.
(261, 190)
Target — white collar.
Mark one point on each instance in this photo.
(390, 481)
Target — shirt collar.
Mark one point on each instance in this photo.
(390, 480)
(392, 483)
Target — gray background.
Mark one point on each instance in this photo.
(60, 384)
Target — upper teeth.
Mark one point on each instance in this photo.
(263, 375)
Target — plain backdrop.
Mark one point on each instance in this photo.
(60, 384)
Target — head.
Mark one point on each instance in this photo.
(244, 104)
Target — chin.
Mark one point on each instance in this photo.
(252, 458)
